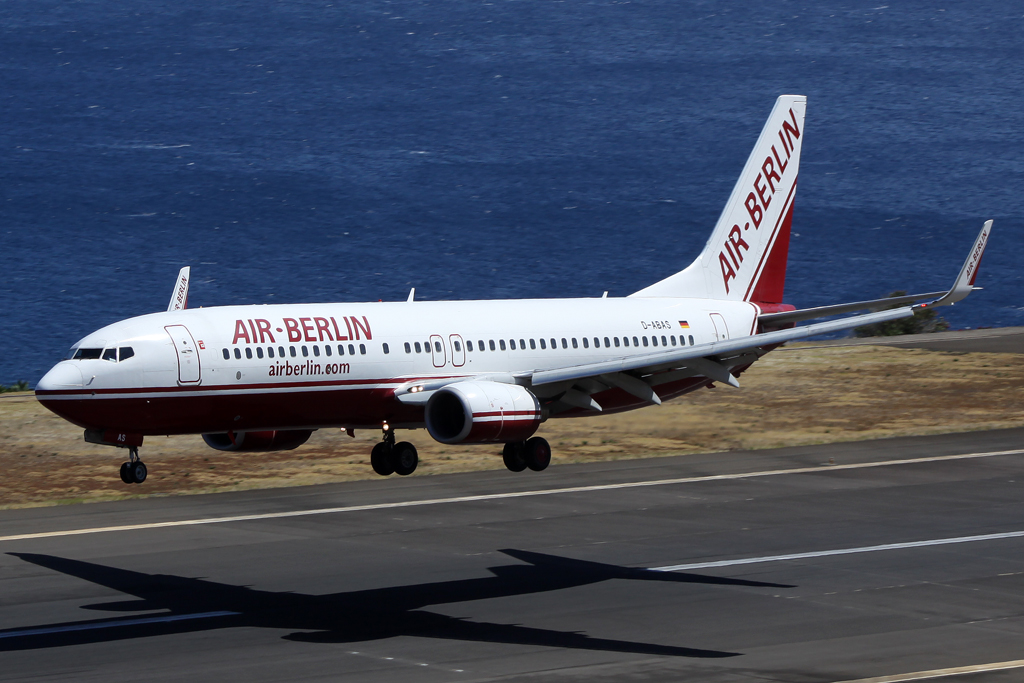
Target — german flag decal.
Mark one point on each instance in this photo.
(684, 325)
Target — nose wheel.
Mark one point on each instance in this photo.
(388, 457)
(134, 470)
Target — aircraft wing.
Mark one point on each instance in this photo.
(635, 374)
(963, 286)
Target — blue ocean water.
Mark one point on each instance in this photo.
(324, 151)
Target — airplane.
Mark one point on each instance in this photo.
(264, 377)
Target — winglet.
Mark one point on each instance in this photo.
(179, 297)
(964, 284)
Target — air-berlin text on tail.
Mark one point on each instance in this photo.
(311, 329)
(760, 198)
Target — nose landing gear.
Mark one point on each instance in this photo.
(388, 457)
(134, 470)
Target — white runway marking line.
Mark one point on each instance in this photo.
(502, 496)
(942, 673)
(70, 628)
(839, 551)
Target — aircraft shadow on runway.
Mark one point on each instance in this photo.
(347, 617)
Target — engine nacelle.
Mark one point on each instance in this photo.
(482, 412)
(258, 441)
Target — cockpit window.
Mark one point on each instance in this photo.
(110, 354)
(87, 354)
(71, 353)
(126, 352)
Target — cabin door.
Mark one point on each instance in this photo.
(721, 330)
(189, 371)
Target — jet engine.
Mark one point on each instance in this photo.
(258, 441)
(482, 412)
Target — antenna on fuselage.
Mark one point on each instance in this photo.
(179, 297)
(412, 295)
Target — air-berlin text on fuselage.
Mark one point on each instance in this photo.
(311, 329)
(764, 186)
(308, 368)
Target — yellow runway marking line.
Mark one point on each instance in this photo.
(942, 673)
(503, 496)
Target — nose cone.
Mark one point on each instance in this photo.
(63, 375)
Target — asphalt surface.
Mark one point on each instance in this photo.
(993, 340)
(448, 578)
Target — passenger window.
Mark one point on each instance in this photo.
(352, 349)
(636, 342)
(554, 344)
(533, 344)
(437, 347)
(691, 340)
(654, 340)
(501, 343)
(227, 354)
(418, 347)
(248, 352)
(522, 344)
(542, 344)
(327, 349)
(616, 340)
(341, 350)
(270, 351)
(469, 344)
(575, 345)
(625, 341)
(663, 341)
(512, 343)
(305, 352)
(458, 347)
(110, 354)
(597, 342)
(259, 352)
(408, 347)
(673, 338)
(280, 351)
(238, 353)
(586, 344)
(565, 344)
(125, 352)
(491, 344)
(316, 351)
(607, 343)
(362, 349)
(645, 341)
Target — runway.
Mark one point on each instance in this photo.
(900, 558)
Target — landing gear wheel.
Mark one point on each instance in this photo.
(404, 458)
(126, 475)
(138, 472)
(514, 456)
(380, 460)
(538, 454)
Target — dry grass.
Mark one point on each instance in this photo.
(791, 397)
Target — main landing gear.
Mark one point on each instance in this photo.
(134, 471)
(388, 457)
(534, 453)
